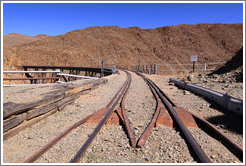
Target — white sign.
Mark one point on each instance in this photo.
(193, 58)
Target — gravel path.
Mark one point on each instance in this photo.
(164, 145)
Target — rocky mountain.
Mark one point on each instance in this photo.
(127, 47)
(14, 39)
(233, 68)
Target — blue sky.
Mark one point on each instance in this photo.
(59, 18)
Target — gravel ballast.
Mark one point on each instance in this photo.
(111, 145)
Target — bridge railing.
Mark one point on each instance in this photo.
(37, 75)
(50, 74)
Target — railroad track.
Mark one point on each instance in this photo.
(176, 114)
(103, 114)
(116, 105)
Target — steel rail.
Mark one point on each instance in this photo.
(212, 128)
(54, 141)
(83, 149)
(112, 100)
(196, 147)
(63, 134)
(129, 130)
(147, 131)
(164, 94)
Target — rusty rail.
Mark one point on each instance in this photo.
(54, 141)
(119, 97)
(196, 147)
(63, 134)
(228, 142)
(211, 127)
(83, 149)
(147, 131)
(126, 120)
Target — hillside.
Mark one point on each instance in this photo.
(127, 46)
(232, 68)
(14, 39)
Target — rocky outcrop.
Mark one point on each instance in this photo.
(127, 47)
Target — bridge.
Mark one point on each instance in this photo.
(40, 74)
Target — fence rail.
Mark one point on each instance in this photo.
(19, 72)
(32, 78)
(191, 64)
(44, 74)
(162, 68)
(77, 76)
(188, 70)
